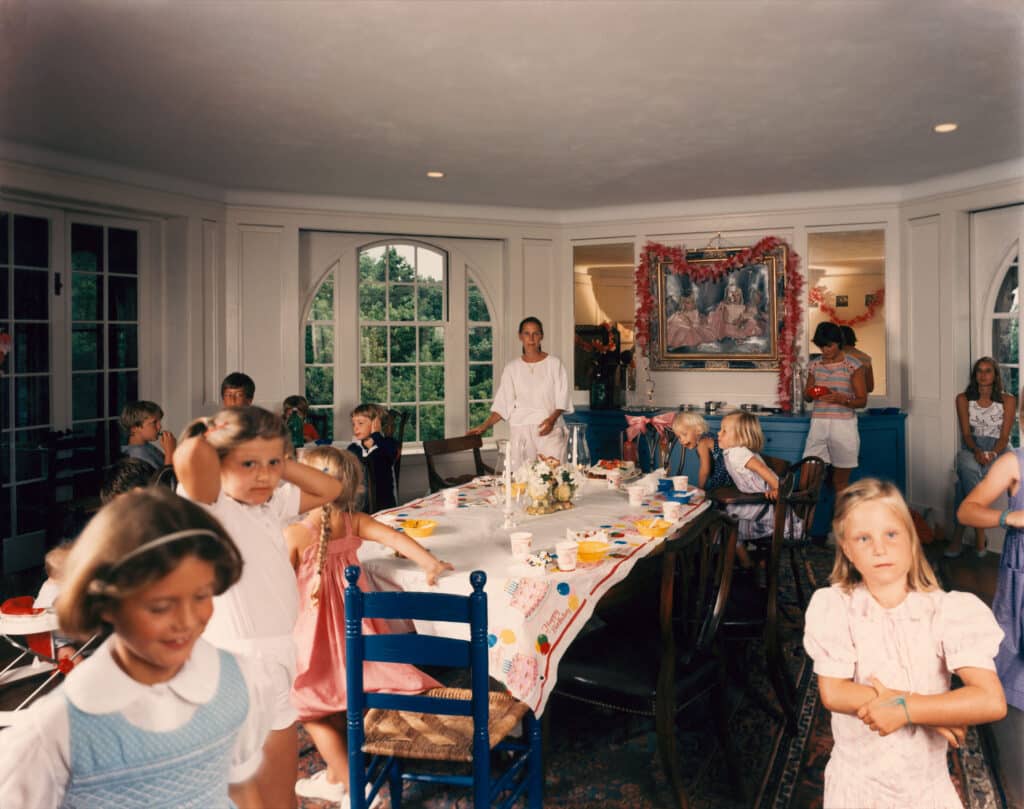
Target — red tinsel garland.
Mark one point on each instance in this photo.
(817, 295)
(654, 253)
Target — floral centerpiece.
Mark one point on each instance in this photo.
(549, 485)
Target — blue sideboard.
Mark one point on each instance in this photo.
(883, 447)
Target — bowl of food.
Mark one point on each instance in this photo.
(592, 550)
(817, 391)
(419, 529)
(653, 527)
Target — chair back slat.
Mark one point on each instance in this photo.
(421, 650)
(397, 606)
(810, 478)
(449, 446)
(420, 703)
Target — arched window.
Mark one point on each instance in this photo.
(1005, 331)
(406, 325)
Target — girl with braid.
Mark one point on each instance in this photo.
(321, 547)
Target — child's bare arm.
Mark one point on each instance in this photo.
(197, 468)
(980, 700)
(317, 487)
(843, 696)
(369, 528)
(704, 454)
(245, 795)
(297, 538)
(757, 465)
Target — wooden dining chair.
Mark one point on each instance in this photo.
(803, 502)
(444, 725)
(753, 609)
(673, 658)
(449, 446)
(397, 420)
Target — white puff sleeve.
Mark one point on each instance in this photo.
(968, 632)
(827, 636)
(563, 393)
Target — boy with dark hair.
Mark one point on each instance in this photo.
(141, 421)
(237, 390)
(125, 475)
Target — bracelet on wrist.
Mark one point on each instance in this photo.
(1002, 518)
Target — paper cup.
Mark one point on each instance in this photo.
(680, 483)
(567, 553)
(614, 478)
(636, 494)
(522, 543)
(673, 510)
(451, 498)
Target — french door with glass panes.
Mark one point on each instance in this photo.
(69, 303)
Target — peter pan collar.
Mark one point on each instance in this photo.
(917, 606)
(100, 686)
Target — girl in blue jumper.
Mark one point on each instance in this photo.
(157, 716)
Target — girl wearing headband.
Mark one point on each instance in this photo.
(156, 716)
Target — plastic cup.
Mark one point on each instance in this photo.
(451, 497)
(567, 554)
(636, 494)
(522, 543)
(673, 510)
(680, 483)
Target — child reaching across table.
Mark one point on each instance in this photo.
(885, 640)
(692, 432)
(233, 463)
(321, 546)
(157, 716)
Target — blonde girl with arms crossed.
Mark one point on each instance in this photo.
(156, 716)
(321, 547)
(233, 463)
(885, 640)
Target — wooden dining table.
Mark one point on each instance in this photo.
(534, 612)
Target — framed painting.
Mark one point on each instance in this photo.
(703, 318)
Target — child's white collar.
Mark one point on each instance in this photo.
(100, 686)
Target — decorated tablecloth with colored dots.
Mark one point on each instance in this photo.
(534, 613)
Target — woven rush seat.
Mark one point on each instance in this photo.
(408, 734)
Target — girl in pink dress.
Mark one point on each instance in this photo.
(686, 326)
(885, 641)
(321, 546)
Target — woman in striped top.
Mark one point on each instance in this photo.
(833, 436)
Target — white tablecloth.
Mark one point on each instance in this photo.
(533, 613)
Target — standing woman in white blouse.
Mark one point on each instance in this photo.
(533, 395)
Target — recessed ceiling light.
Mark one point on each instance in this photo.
(944, 128)
(435, 175)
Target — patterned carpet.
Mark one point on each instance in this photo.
(601, 760)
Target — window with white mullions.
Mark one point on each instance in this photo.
(1005, 333)
(402, 313)
(319, 365)
(480, 349)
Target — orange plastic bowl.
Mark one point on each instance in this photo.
(817, 391)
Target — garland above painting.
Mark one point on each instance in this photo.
(736, 308)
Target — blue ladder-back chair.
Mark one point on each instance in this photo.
(394, 728)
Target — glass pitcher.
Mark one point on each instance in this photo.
(577, 453)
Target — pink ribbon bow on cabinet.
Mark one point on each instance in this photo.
(638, 424)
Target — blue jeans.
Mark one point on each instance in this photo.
(968, 471)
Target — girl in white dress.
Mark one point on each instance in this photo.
(533, 394)
(156, 716)
(885, 640)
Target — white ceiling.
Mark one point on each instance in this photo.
(539, 104)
